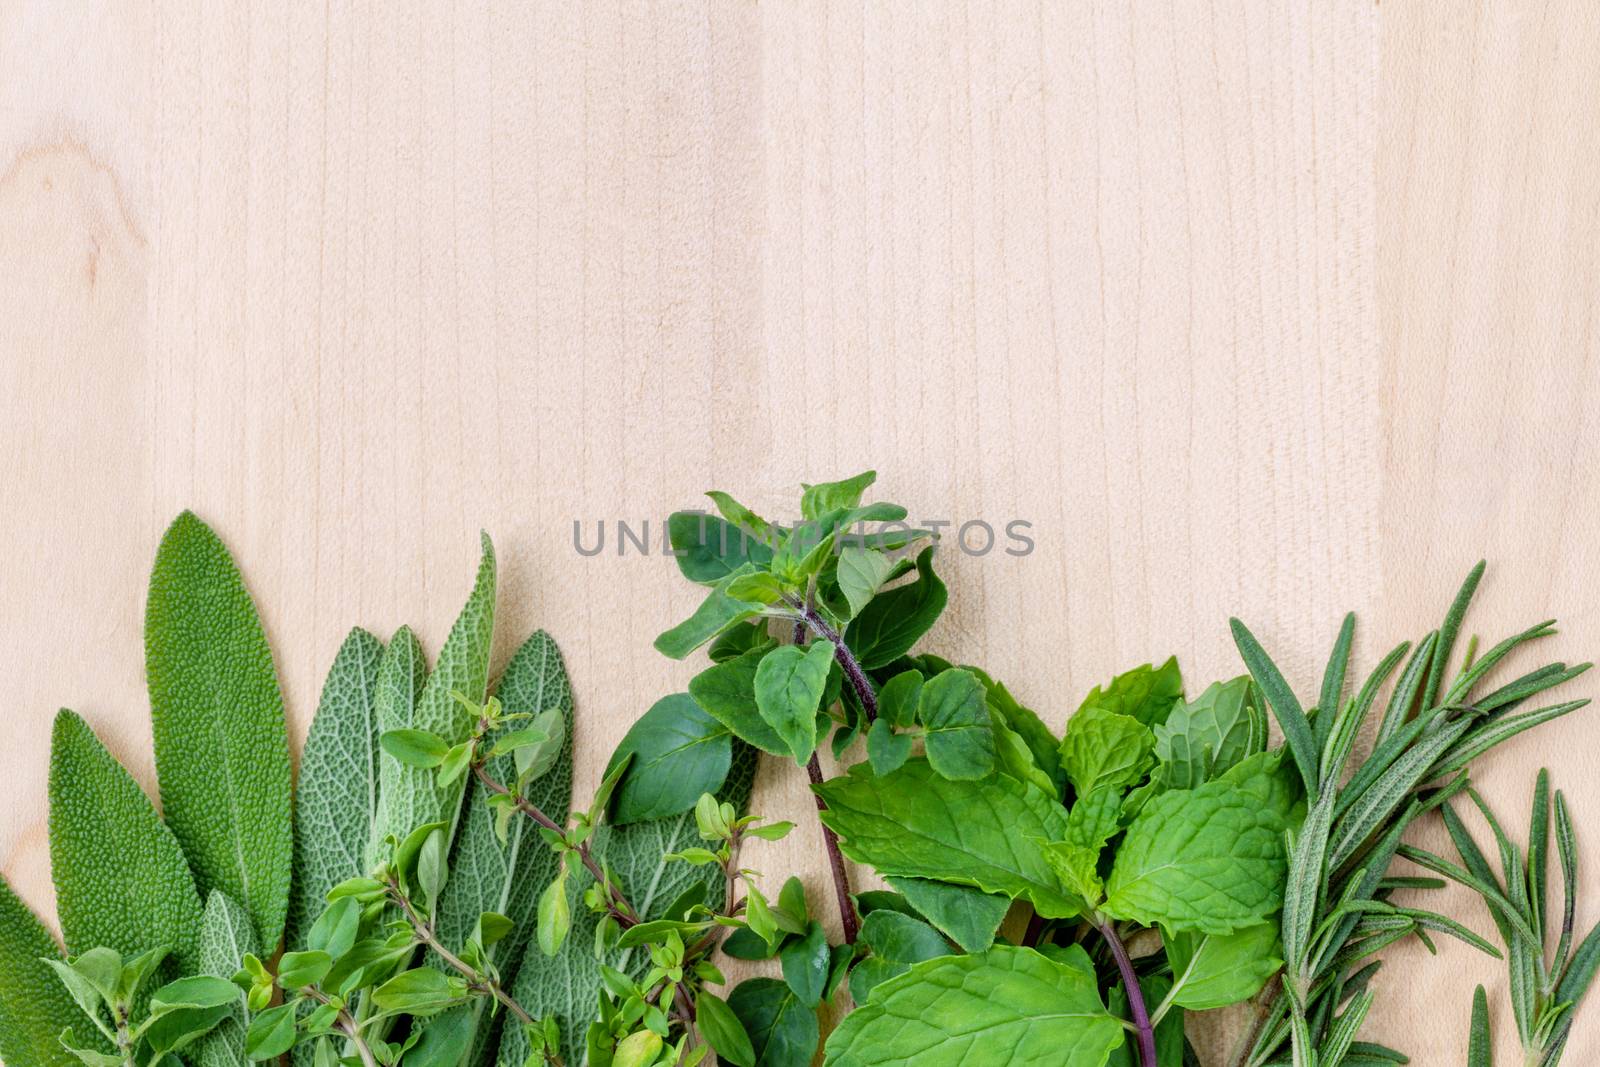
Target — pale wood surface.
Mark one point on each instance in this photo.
(1259, 309)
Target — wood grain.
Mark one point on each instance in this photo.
(353, 280)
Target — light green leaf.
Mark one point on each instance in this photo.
(957, 733)
(782, 1031)
(1209, 859)
(1215, 970)
(818, 501)
(337, 804)
(914, 823)
(222, 750)
(718, 612)
(789, 685)
(121, 878)
(741, 516)
(1205, 737)
(967, 916)
(1146, 693)
(861, 573)
(1105, 748)
(226, 934)
(402, 671)
(1026, 724)
(34, 1006)
(566, 986)
(1009, 1007)
(679, 752)
(899, 698)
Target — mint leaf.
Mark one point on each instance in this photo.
(1215, 970)
(121, 879)
(914, 823)
(1145, 693)
(1205, 737)
(222, 750)
(1105, 748)
(957, 734)
(337, 804)
(679, 752)
(965, 915)
(1008, 1006)
(897, 941)
(789, 685)
(1209, 859)
(783, 1032)
(34, 1006)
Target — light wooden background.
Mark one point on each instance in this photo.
(1268, 309)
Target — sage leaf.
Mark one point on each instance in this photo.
(121, 878)
(1105, 748)
(34, 1006)
(965, 915)
(679, 753)
(914, 823)
(506, 879)
(221, 746)
(337, 805)
(957, 735)
(1004, 1008)
(789, 685)
(1209, 859)
(402, 670)
(411, 795)
(782, 1031)
(567, 985)
(897, 619)
(226, 934)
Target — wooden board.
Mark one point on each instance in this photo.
(1269, 310)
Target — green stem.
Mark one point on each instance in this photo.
(479, 982)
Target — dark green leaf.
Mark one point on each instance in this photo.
(782, 1031)
(1480, 1046)
(1297, 732)
(896, 619)
(727, 692)
(717, 612)
(967, 916)
(722, 1030)
(34, 1006)
(708, 549)
(789, 684)
(679, 752)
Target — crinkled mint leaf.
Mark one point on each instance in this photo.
(1146, 693)
(1105, 748)
(1212, 733)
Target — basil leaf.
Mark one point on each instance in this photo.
(914, 823)
(718, 612)
(221, 746)
(727, 692)
(722, 1030)
(708, 549)
(819, 500)
(1006, 1007)
(783, 1032)
(679, 752)
(789, 685)
(805, 962)
(861, 573)
(1209, 859)
(121, 878)
(897, 619)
